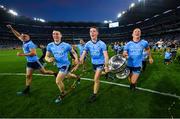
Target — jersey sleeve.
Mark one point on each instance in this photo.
(86, 47)
(145, 44)
(69, 47)
(125, 48)
(104, 47)
(49, 48)
(32, 46)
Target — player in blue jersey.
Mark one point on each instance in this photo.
(99, 58)
(80, 48)
(133, 51)
(58, 51)
(33, 63)
(167, 56)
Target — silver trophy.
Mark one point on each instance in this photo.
(118, 66)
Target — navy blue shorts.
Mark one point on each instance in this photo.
(134, 70)
(167, 60)
(65, 69)
(34, 65)
(98, 67)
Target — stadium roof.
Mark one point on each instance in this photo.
(146, 9)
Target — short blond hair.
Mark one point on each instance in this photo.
(57, 31)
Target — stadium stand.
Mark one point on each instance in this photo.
(162, 21)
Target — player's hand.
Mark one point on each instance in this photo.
(9, 26)
(106, 69)
(20, 54)
(150, 60)
(51, 59)
(125, 54)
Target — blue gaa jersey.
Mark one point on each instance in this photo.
(81, 48)
(60, 53)
(27, 46)
(115, 47)
(145, 55)
(167, 55)
(96, 51)
(120, 48)
(135, 52)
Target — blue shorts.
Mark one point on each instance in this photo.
(98, 67)
(34, 65)
(65, 69)
(134, 70)
(167, 60)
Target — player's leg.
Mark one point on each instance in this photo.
(134, 79)
(43, 70)
(63, 71)
(97, 81)
(74, 76)
(29, 72)
(59, 82)
(130, 75)
(98, 70)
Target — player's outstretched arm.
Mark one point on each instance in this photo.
(16, 33)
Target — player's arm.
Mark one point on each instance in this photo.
(83, 56)
(125, 51)
(48, 57)
(31, 53)
(75, 56)
(148, 50)
(125, 54)
(16, 33)
(105, 53)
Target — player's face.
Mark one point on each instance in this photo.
(93, 33)
(136, 33)
(41, 46)
(25, 37)
(56, 36)
(81, 42)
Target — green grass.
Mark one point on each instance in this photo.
(113, 101)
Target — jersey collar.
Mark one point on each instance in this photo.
(24, 42)
(58, 43)
(94, 42)
(136, 42)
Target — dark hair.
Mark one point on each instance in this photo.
(57, 31)
(95, 28)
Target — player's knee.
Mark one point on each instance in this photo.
(96, 81)
(58, 81)
(133, 81)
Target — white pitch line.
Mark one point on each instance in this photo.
(106, 82)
